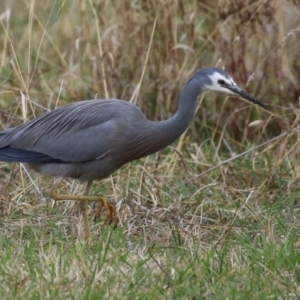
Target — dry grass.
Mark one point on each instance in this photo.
(188, 228)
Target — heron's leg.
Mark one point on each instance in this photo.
(111, 212)
(83, 207)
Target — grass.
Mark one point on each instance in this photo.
(198, 220)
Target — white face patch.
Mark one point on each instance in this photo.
(216, 77)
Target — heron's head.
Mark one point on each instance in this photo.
(215, 79)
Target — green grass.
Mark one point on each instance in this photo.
(191, 225)
(245, 264)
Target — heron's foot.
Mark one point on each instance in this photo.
(111, 216)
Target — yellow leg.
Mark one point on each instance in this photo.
(83, 208)
(111, 212)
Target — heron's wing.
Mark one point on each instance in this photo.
(77, 132)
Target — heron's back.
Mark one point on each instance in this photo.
(84, 140)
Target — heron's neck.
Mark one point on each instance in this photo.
(173, 127)
(158, 135)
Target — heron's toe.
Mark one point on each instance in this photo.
(111, 215)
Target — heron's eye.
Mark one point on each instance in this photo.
(221, 81)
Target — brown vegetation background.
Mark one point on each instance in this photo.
(57, 52)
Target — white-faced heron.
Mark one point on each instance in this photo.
(92, 139)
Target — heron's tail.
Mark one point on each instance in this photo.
(9, 154)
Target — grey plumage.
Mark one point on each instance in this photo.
(85, 140)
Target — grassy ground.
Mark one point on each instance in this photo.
(197, 221)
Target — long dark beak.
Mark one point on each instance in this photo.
(237, 90)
